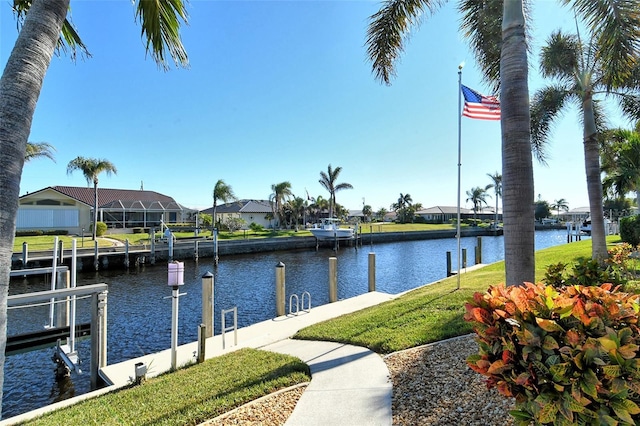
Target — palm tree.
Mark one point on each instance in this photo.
(579, 72)
(222, 192)
(39, 149)
(402, 206)
(560, 204)
(43, 30)
(498, 36)
(496, 184)
(621, 162)
(91, 168)
(478, 197)
(328, 182)
(381, 213)
(367, 211)
(296, 208)
(281, 192)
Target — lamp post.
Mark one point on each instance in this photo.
(175, 279)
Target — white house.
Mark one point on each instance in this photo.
(259, 212)
(71, 208)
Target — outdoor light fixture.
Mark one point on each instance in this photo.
(175, 278)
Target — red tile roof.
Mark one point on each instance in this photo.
(118, 198)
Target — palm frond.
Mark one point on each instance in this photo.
(560, 58)
(631, 105)
(69, 41)
(481, 23)
(546, 106)
(160, 21)
(615, 25)
(39, 149)
(387, 32)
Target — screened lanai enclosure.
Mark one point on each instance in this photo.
(145, 214)
(71, 209)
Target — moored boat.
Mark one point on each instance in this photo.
(330, 229)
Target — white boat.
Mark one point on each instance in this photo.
(585, 228)
(330, 229)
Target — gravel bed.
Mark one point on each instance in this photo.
(432, 385)
(270, 410)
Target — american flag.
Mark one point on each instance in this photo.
(480, 106)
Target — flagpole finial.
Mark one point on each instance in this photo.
(461, 66)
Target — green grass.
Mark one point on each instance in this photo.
(430, 313)
(45, 242)
(190, 395)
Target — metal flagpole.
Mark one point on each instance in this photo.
(459, 162)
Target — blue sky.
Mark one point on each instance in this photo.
(276, 91)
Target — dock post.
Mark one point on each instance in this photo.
(152, 238)
(195, 251)
(25, 254)
(280, 289)
(449, 264)
(60, 252)
(333, 279)
(98, 335)
(464, 258)
(96, 253)
(126, 253)
(479, 252)
(207, 304)
(372, 272)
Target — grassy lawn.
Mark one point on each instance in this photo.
(190, 395)
(45, 242)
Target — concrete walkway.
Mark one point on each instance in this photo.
(349, 385)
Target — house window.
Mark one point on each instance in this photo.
(47, 202)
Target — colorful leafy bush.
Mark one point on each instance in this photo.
(568, 356)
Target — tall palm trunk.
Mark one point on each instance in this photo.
(594, 183)
(20, 87)
(517, 168)
(95, 208)
(213, 215)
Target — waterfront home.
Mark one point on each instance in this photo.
(259, 212)
(71, 208)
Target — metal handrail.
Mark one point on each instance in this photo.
(299, 300)
(309, 298)
(233, 327)
(291, 304)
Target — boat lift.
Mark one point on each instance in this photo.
(65, 323)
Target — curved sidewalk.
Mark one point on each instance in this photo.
(349, 384)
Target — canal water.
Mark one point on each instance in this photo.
(139, 312)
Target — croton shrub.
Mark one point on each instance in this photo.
(567, 355)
